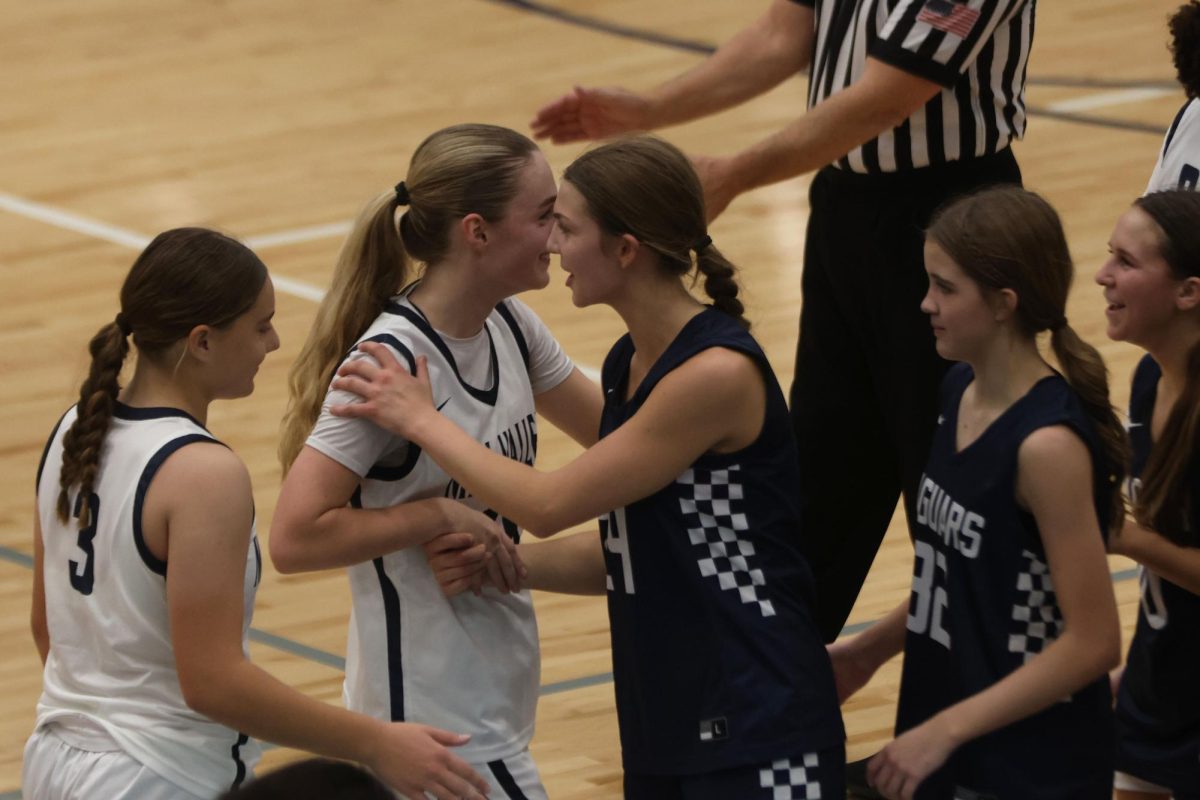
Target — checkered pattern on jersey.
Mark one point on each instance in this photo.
(1036, 614)
(788, 781)
(711, 505)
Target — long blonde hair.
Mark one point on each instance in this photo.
(457, 171)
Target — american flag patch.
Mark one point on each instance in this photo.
(951, 16)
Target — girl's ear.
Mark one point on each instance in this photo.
(474, 230)
(198, 342)
(1004, 304)
(1187, 298)
(627, 249)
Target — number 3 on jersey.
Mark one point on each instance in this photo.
(612, 531)
(83, 571)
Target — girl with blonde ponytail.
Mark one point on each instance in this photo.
(147, 562)
(474, 212)
(721, 675)
(1152, 287)
(1012, 609)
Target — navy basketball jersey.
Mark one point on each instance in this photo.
(983, 604)
(1158, 703)
(716, 658)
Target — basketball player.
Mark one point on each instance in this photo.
(1152, 285)
(1178, 164)
(1011, 625)
(476, 209)
(723, 686)
(147, 562)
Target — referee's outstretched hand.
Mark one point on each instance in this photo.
(591, 114)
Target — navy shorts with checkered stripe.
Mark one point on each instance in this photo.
(805, 776)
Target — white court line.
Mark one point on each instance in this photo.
(72, 222)
(1094, 101)
(298, 235)
(78, 223)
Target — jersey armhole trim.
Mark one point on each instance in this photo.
(46, 450)
(507, 315)
(396, 473)
(153, 562)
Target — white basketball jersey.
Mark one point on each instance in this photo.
(467, 664)
(111, 659)
(1178, 164)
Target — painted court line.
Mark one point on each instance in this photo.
(331, 660)
(1106, 99)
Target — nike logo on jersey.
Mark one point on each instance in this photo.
(941, 419)
(1131, 425)
(444, 402)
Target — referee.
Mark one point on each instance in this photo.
(910, 103)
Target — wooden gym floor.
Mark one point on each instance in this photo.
(274, 121)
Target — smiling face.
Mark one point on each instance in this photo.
(1138, 284)
(593, 270)
(240, 347)
(962, 318)
(517, 252)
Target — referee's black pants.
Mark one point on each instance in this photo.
(864, 399)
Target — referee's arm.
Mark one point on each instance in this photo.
(910, 62)
(884, 97)
(773, 48)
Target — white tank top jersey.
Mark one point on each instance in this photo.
(111, 661)
(1178, 164)
(467, 664)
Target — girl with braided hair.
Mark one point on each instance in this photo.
(723, 685)
(147, 562)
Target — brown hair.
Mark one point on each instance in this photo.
(645, 187)
(1185, 46)
(460, 170)
(1164, 500)
(1010, 238)
(185, 277)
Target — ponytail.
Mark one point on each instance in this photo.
(720, 283)
(185, 277)
(460, 170)
(371, 267)
(1087, 375)
(84, 440)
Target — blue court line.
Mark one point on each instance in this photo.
(337, 662)
(705, 48)
(20, 559)
(1102, 122)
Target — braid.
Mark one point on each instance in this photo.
(720, 283)
(97, 401)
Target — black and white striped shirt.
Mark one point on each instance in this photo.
(977, 49)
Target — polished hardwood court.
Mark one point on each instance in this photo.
(276, 120)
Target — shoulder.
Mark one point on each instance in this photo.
(715, 376)
(203, 471)
(1052, 448)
